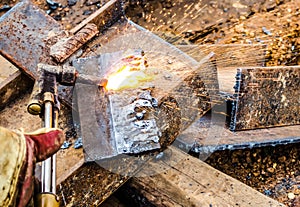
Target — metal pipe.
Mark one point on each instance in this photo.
(54, 124)
(47, 164)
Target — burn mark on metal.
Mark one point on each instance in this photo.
(134, 127)
(65, 48)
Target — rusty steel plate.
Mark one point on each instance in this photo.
(266, 97)
(171, 68)
(24, 31)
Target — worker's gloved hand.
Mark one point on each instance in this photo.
(18, 154)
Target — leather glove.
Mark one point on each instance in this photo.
(19, 153)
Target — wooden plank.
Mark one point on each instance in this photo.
(6, 69)
(12, 82)
(178, 179)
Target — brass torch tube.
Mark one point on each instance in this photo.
(47, 164)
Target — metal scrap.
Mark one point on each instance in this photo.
(78, 143)
(65, 48)
(72, 2)
(5, 8)
(66, 145)
(266, 31)
(52, 4)
(23, 46)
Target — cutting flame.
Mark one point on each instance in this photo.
(130, 75)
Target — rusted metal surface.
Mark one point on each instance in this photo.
(19, 41)
(266, 97)
(65, 48)
(104, 17)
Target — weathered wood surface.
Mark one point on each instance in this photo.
(12, 82)
(6, 69)
(266, 97)
(178, 179)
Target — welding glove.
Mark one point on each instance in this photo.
(18, 154)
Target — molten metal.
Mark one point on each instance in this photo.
(131, 72)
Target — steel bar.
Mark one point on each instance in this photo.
(65, 48)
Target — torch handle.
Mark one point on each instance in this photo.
(48, 196)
